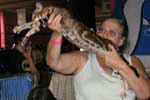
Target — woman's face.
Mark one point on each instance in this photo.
(111, 30)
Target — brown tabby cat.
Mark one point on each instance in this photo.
(71, 29)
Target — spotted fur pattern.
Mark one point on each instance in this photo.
(71, 29)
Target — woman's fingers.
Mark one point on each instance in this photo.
(111, 48)
(57, 19)
(51, 18)
(54, 22)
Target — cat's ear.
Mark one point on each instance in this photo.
(39, 8)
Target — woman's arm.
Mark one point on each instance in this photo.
(140, 83)
(66, 63)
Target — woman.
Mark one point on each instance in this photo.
(99, 76)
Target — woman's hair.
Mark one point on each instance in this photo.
(41, 93)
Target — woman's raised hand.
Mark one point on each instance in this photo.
(54, 22)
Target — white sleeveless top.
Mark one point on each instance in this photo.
(93, 83)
